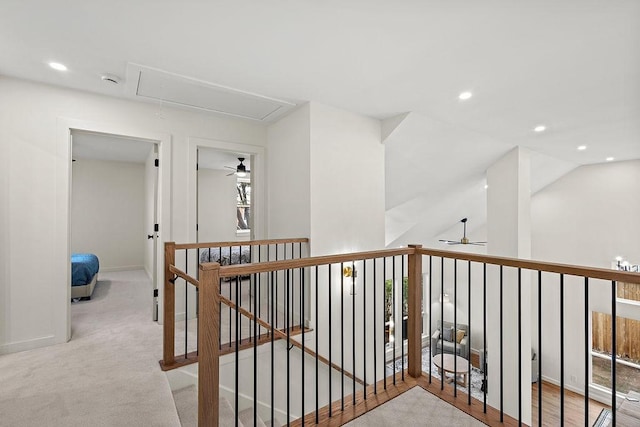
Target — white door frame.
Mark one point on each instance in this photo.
(258, 193)
(63, 181)
(258, 202)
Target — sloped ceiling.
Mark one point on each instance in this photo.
(435, 176)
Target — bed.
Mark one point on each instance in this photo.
(226, 256)
(84, 275)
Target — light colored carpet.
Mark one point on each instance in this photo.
(107, 375)
(187, 405)
(415, 407)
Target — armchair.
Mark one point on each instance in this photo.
(438, 345)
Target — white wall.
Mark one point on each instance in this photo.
(347, 213)
(347, 182)
(107, 212)
(326, 181)
(35, 199)
(288, 175)
(588, 217)
(216, 206)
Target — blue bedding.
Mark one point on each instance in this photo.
(83, 268)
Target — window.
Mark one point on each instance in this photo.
(243, 209)
(627, 352)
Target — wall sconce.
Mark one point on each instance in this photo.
(350, 271)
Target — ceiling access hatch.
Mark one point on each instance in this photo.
(182, 91)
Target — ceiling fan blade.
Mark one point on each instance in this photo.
(477, 243)
(229, 174)
(447, 241)
(229, 167)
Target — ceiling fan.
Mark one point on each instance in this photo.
(464, 240)
(240, 170)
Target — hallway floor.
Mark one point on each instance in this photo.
(108, 373)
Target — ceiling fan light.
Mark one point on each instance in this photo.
(241, 169)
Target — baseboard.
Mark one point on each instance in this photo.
(596, 392)
(124, 268)
(16, 347)
(566, 386)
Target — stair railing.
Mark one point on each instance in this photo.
(350, 356)
(180, 347)
(374, 362)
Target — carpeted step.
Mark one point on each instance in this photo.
(246, 417)
(227, 414)
(186, 400)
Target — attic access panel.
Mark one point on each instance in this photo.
(183, 91)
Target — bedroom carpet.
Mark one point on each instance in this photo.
(107, 375)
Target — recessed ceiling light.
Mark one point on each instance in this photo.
(609, 159)
(465, 95)
(58, 66)
(540, 128)
(582, 147)
(486, 186)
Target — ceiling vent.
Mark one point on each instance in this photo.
(182, 91)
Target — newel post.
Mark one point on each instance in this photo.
(414, 302)
(169, 306)
(208, 345)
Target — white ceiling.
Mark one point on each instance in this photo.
(99, 146)
(573, 65)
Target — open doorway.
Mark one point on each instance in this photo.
(114, 209)
(224, 195)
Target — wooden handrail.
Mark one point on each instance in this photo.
(242, 243)
(183, 275)
(574, 270)
(582, 271)
(263, 267)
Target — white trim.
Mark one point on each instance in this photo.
(258, 184)
(62, 209)
(596, 392)
(15, 347)
(618, 360)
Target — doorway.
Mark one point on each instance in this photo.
(114, 206)
(224, 195)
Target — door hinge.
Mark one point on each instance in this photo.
(197, 166)
(155, 293)
(156, 227)
(157, 162)
(197, 227)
